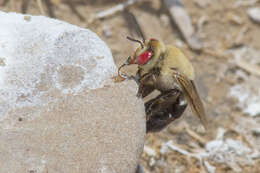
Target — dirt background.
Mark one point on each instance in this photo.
(231, 42)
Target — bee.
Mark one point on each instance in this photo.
(166, 69)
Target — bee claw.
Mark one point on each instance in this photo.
(151, 107)
(134, 78)
(118, 79)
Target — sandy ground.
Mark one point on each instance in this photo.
(231, 39)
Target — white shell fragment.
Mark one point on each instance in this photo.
(248, 100)
(59, 109)
(254, 14)
(229, 152)
(247, 92)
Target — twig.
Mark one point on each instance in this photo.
(251, 68)
(215, 53)
(13, 7)
(202, 20)
(24, 6)
(240, 35)
(183, 21)
(3, 2)
(245, 3)
(49, 6)
(115, 9)
(57, 2)
(39, 2)
(74, 10)
(197, 137)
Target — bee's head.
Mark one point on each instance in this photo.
(145, 56)
(145, 52)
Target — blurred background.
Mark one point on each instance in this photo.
(221, 38)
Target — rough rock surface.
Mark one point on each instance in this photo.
(59, 109)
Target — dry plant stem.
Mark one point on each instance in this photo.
(251, 68)
(215, 53)
(3, 2)
(13, 7)
(245, 3)
(74, 10)
(241, 35)
(49, 6)
(57, 2)
(183, 21)
(39, 3)
(115, 9)
(196, 136)
(24, 5)
(237, 39)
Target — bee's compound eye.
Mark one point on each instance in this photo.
(144, 57)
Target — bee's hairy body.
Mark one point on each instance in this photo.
(167, 58)
(166, 69)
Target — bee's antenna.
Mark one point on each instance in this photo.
(138, 41)
(133, 24)
(137, 26)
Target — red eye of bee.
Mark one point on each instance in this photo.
(144, 57)
(153, 39)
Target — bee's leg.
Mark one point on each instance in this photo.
(135, 78)
(146, 86)
(144, 90)
(162, 101)
(159, 119)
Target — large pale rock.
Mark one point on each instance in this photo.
(59, 109)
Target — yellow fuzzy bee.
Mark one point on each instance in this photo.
(166, 69)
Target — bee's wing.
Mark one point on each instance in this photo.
(192, 96)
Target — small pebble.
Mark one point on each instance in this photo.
(27, 18)
(152, 162)
(254, 14)
(106, 31)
